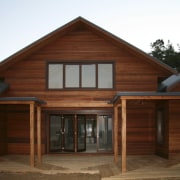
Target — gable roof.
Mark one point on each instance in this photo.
(75, 24)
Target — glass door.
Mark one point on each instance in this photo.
(68, 133)
(105, 133)
(91, 133)
(81, 133)
(61, 133)
(55, 139)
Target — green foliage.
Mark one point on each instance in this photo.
(166, 53)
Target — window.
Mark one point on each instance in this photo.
(55, 77)
(105, 76)
(160, 126)
(88, 76)
(71, 76)
(80, 75)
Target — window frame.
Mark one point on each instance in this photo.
(80, 75)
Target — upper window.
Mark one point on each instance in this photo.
(96, 75)
(88, 75)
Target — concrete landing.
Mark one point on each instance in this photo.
(100, 166)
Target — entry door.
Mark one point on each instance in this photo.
(55, 135)
(61, 133)
(91, 133)
(105, 133)
(67, 133)
(75, 133)
(81, 133)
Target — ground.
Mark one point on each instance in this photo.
(39, 176)
(67, 167)
(88, 167)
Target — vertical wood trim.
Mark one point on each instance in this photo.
(116, 134)
(39, 156)
(32, 134)
(123, 131)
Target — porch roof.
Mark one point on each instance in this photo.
(145, 95)
(20, 100)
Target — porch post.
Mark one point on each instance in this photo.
(39, 156)
(32, 134)
(123, 131)
(116, 133)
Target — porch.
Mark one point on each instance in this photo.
(91, 166)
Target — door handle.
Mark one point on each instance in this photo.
(63, 132)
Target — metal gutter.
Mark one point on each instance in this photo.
(35, 99)
(136, 94)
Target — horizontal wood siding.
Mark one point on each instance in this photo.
(22, 148)
(3, 131)
(28, 77)
(18, 131)
(175, 88)
(140, 129)
(174, 127)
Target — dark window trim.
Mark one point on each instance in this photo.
(80, 63)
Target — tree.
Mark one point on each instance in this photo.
(166, 53)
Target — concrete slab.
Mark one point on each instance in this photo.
(138, 167)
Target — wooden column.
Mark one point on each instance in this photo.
(116, 133)
(123, 131)
(32, 134)
(39, 156)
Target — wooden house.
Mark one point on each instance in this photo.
(81, 89)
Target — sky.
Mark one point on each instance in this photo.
(139, 22)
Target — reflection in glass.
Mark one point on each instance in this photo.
(69, 132)
(81, 132)
(72, 76)
(105, 76)
(91, 133)
(55, 75)
(105, 132)
(160, 123)
(55, 133)
(89, 76)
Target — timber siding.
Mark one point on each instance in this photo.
(29, 76)
(26, 73)
(3, 131)
(174, 128)
(140, 129)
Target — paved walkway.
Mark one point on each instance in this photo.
(138, 167)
